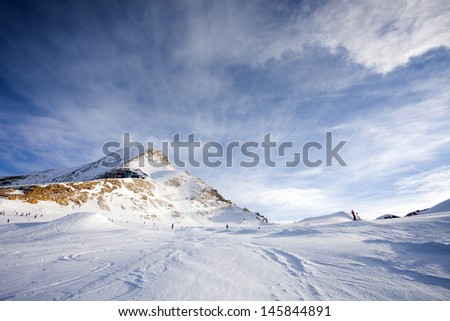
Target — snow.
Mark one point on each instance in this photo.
(86, 256)
(83, 221)
(439, 208)
(326, 219)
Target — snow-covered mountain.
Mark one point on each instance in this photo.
(128, 189)
(133, 159)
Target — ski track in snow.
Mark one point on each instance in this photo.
(384, 260)
(298, 270)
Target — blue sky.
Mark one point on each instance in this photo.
(74, 75)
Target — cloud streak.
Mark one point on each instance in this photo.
(380, 35)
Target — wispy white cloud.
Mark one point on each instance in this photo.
(271, 195)
(428, 182)
(380, 35)
(423, 190)
(393, 139)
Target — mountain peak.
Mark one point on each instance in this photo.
(123, 156)
(147, 161)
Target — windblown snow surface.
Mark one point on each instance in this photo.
(86, 256)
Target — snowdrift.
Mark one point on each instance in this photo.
(83, 221)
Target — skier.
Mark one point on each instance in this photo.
(172, 225)
(354, 215)
(227, 225)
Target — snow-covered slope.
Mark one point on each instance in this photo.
(85, 256)
(164, 194)
(338, 217)
(83, 221)
(439, 208)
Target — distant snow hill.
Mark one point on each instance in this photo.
(443, 207)
(387, 217)
(439, 208)
(338, 217)
(129, 190)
